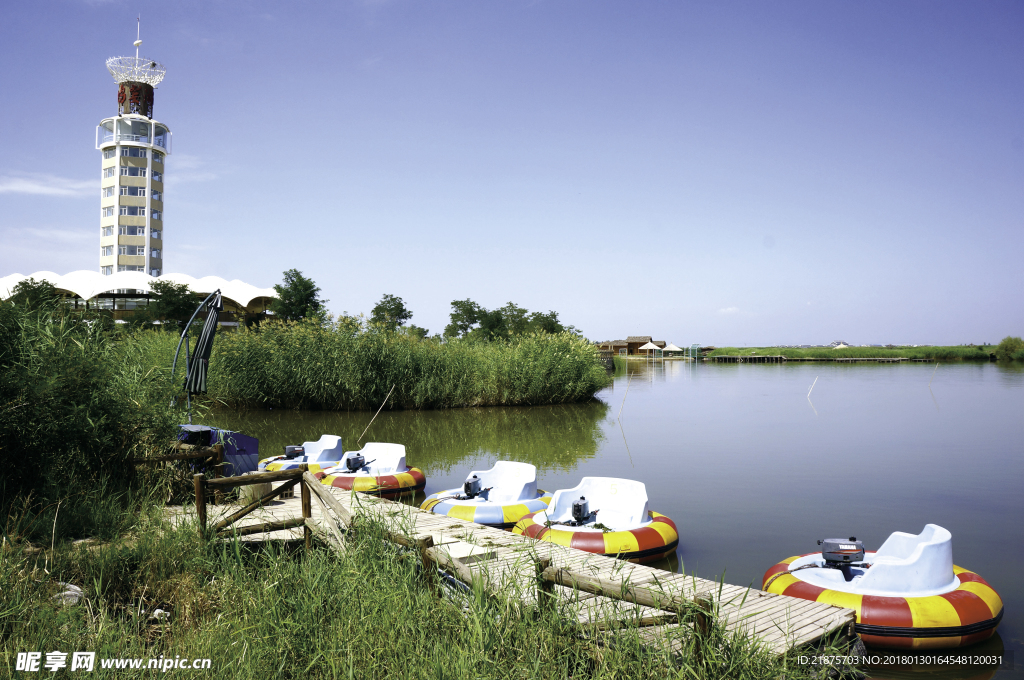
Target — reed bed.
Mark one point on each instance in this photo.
(75, 404)
(308, 366)
(273, 612)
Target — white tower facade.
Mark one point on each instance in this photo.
(134, 150)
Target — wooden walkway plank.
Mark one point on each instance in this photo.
(505, 562)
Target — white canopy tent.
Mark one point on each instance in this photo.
(672, 348)
(648, 347)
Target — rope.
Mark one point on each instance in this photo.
(378, 412)
(806, 566)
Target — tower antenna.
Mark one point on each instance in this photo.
(138, 35)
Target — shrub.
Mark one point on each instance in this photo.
(1010, 348)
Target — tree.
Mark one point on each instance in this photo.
(172, 303)
(468, 319)
(34, 294)
(1009, 347)
(517, 319)
(464, 316)
(390, 313)
(547, 323)
(493, 325)
(297, 298)
(415, 331)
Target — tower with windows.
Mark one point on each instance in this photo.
(134, 148)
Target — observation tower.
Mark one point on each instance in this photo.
(134, 147)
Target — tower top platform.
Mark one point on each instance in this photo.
(136, 70)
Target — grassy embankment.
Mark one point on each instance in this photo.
(958, 353)
(271, 612)
(301, 365)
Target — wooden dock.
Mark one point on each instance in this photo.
(508, 563)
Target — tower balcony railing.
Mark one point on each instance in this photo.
(142, 139)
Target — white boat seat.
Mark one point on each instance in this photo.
(621, 503)
(327, 449)
(912, 563)
(509, 482)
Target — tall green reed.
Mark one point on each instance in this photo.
(305, 365)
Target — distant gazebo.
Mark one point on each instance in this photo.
(672, 350)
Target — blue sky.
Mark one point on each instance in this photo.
(722, 173)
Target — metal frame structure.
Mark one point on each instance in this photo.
(136, 69)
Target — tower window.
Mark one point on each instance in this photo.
(107, 231)
(131, 250)
(109, 172)
(133, 151)
(107, 271)
(157, 195)
(158, 157)
(107, 192)
(130, 268)
(156, 215)
(133, 211)
(131, 171)
(155, 253)
(108, 211)
(133, 191)
(154, 272)
(131, 231)
(109, 153)
(106, 251)
(155, 233)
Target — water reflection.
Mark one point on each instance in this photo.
(554, 438)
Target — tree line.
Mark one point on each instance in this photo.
(298, 298)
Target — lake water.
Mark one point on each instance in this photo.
(750, 469)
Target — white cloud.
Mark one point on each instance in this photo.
(728, 310)
(185, 168)
(38, 184)
(63, 235)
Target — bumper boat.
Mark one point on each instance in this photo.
(607, 516)
(318, 455)
(378, 469)
(907, 594)
(498, 497)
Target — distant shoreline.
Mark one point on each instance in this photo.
(937, 353)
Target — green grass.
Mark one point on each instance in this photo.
(277, 612)
(957, 353)
(303, 365)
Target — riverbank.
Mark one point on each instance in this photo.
(955, 353)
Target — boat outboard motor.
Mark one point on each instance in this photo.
(581, 512)
(472, 487)
(842, 554)
(355, 463)
(294, 451)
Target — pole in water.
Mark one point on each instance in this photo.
(933, 375)
(624, 396)
(378, 412)
(812, 387)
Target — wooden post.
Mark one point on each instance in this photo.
(545, 588)
(702, 604)
(218, 459)
(200, 482)
(307, 509)
(425, 543)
